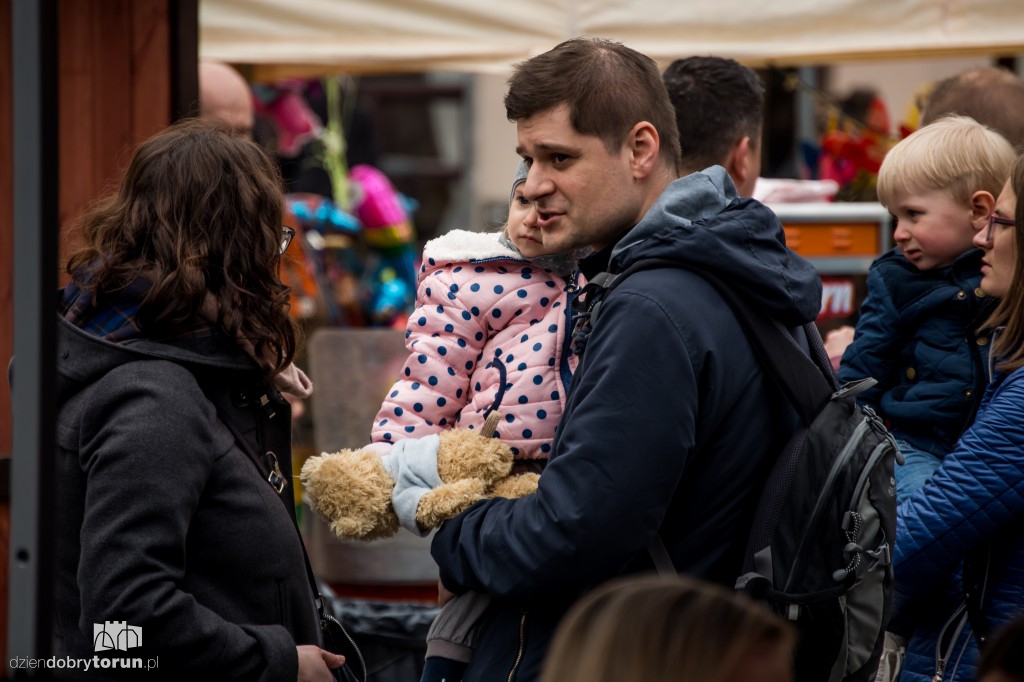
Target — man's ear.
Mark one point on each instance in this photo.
(982, 206)
(737, 164)
(643, 144)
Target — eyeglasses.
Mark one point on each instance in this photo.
(994, 220)
(286, 237)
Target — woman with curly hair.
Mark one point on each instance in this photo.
(175, 346)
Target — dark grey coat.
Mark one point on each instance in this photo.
(164, 522)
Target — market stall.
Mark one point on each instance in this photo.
(364, 36)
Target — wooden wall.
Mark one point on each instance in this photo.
(114, 92)
(126, 69)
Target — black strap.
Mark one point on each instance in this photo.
(807, 382)
(270, 471)
(660, 556)
(975, 580)
(271, 476)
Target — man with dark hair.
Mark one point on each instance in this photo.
(990, 95)
(670, 426)
(719, 107)
(576, 74)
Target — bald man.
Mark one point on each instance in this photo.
(224, 95)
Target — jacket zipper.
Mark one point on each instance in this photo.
(983, 588)
(942, 659)
(522, 646)
(992, 356)
(359, 654)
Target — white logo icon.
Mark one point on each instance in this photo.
(115, 634)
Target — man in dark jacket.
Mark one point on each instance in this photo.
(670, 425)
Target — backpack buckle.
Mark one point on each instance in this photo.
(753, 584)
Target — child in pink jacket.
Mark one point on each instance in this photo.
(490, 332)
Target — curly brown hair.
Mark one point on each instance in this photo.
(197, 215)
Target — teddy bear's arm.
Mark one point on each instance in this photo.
(448, 501)
(514, 487)
(472, 465)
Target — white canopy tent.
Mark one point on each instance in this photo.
(280, 37)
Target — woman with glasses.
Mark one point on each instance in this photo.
(177, 544)
(959, 555)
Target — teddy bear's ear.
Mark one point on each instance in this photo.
(351, 490)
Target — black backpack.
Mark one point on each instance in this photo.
(820, 546)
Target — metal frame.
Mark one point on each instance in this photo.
(34, 77)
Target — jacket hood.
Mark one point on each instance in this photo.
(84, 358)
(699, 221)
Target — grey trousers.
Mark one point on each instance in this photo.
(453, 632)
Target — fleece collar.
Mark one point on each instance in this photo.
(463, 245)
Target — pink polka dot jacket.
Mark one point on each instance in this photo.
(489, 329)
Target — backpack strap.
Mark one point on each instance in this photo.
(233, 408)
(587, 305)
(660, 556)
(807, 381)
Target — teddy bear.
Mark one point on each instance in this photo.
(352, 489)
